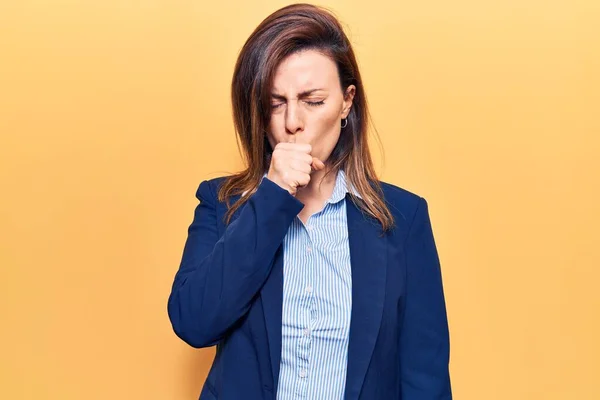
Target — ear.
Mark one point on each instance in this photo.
(348, 97)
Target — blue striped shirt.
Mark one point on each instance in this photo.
(317, 300)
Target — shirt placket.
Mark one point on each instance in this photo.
(307, 314)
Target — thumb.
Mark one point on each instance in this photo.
(317, 164)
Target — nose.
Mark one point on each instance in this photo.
(294, 122)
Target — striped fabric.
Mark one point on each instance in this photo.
(317, 300)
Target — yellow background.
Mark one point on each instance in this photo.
(112, 112)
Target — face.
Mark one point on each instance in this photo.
(307, 103)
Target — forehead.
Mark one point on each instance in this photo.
(305, 70)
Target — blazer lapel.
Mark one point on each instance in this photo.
(272, 301)
(368, 258)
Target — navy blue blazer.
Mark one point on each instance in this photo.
(228, 292)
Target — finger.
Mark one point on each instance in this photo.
(284, 146)
(293, 146)
(317, 164)
(301, 179)
(302, 157)
(301, 147)
(300, 166)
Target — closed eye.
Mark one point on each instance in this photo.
(310, 103)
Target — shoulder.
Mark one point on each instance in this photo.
(216, 183)
(402, 203)
(208, 189)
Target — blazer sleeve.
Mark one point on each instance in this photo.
(424, 338)
(219, 277)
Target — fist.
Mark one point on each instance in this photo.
(291, 166)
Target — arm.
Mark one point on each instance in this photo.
(218, 278)
(424, 339)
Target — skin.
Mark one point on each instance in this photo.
(308, 106)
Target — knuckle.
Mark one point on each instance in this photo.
(278, 162)
(305, 179)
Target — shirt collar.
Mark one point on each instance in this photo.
(341, 188)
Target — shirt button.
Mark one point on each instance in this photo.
(308, 289)
(302, 373)
(308, 249)
(306, 332)
(310, 227)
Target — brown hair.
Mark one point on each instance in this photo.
(289, 30)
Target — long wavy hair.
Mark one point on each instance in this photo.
(289, 30)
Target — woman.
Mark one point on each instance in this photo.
(313, 279)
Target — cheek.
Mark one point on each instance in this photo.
(327, 134)
(275, 130)
(327, 124)
(271, 140)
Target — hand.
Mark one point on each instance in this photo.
(291, 166)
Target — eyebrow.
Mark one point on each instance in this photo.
(300, 95)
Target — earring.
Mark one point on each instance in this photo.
(346, 123)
